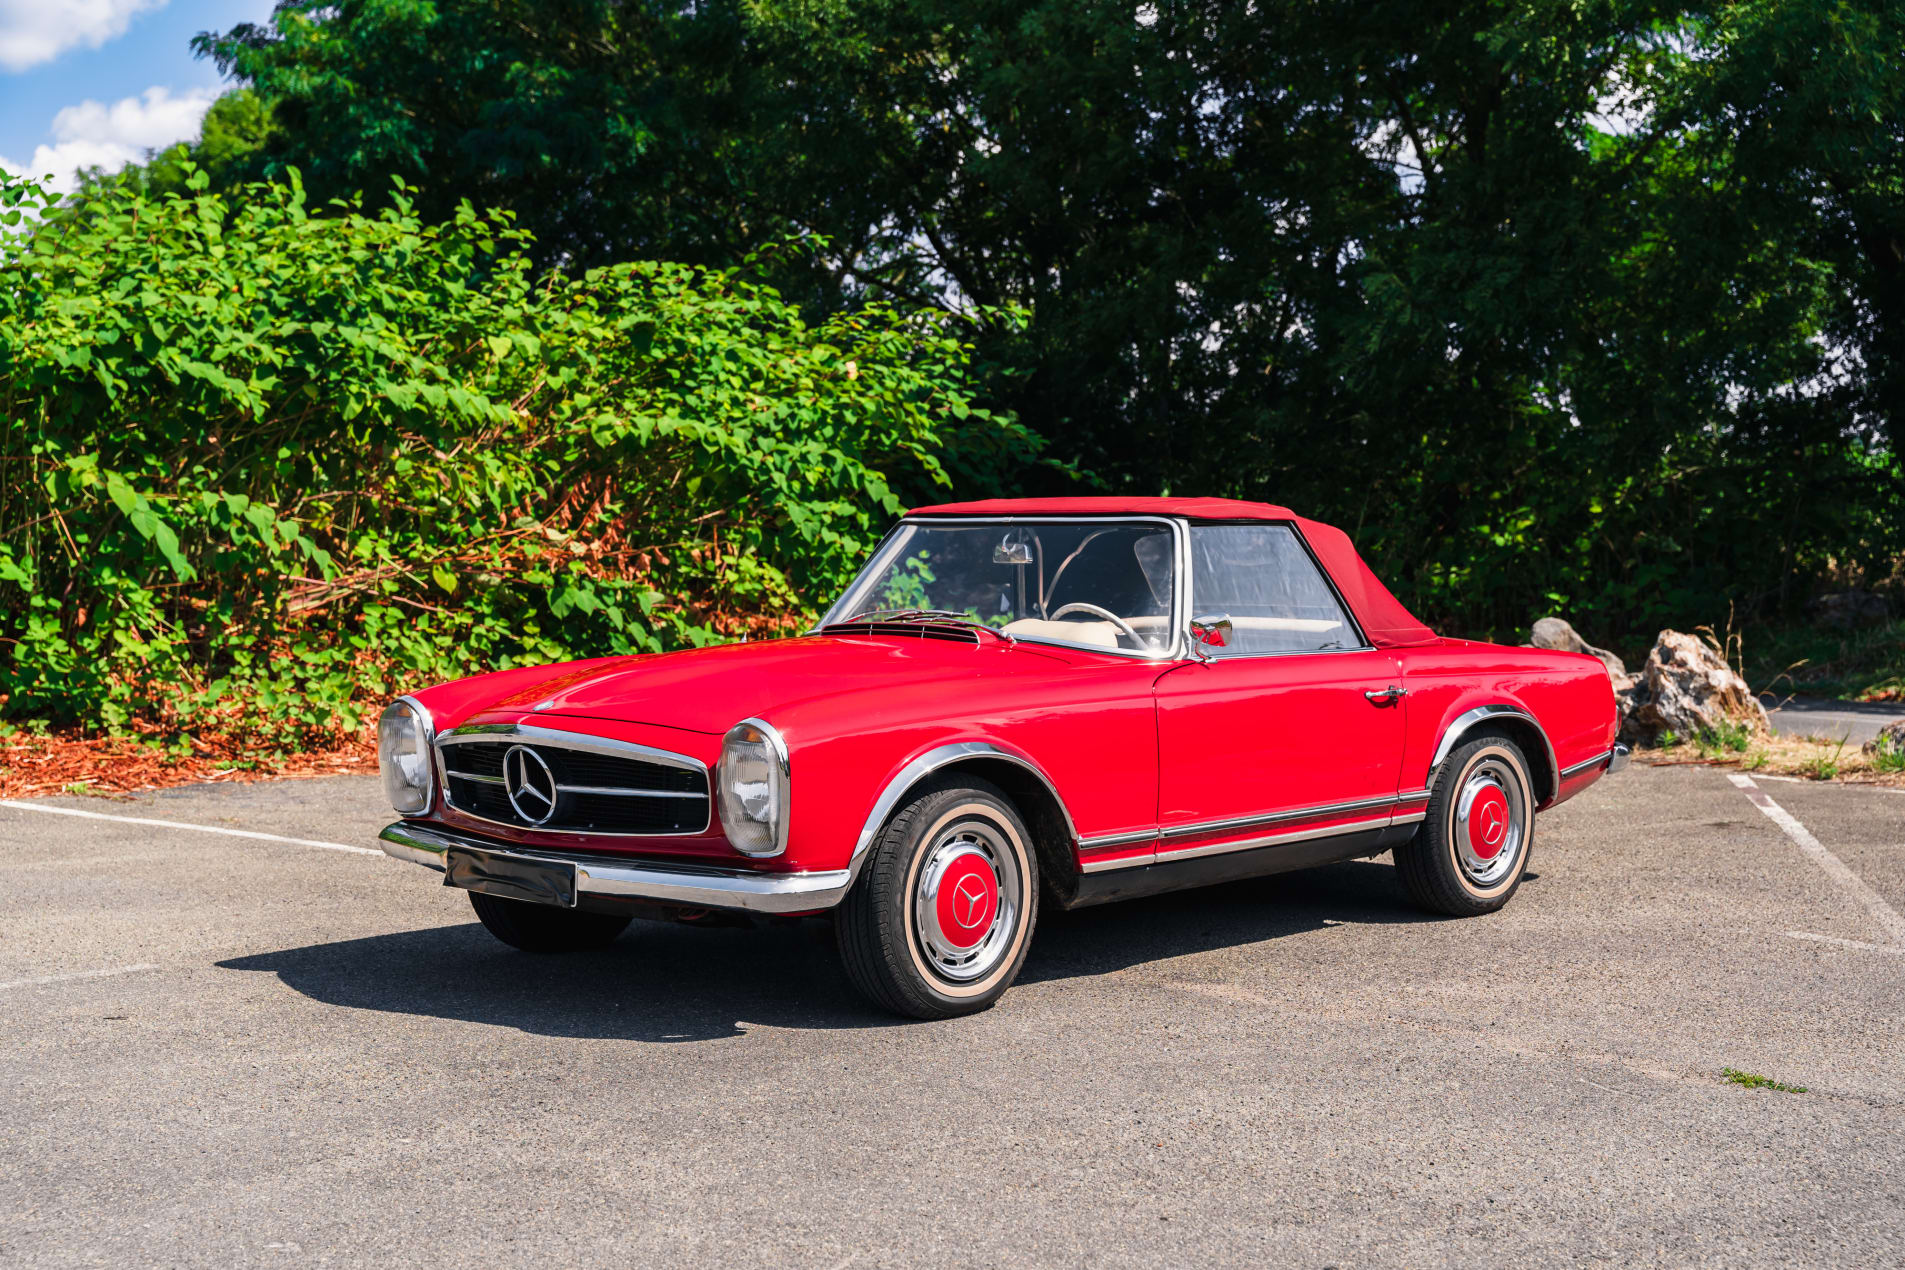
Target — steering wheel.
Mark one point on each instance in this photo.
(1079, 606)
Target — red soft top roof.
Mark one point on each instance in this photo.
(1381, 615)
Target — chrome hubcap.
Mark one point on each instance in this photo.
(1491, 818)
(967, 903)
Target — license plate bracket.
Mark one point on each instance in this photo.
(550, 882)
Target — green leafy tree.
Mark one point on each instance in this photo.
(612, 130)
(1593, 305)
(267, 463)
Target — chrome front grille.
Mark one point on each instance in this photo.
(599, 786)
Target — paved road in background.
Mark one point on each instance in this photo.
(1856, 722)
(292, 1055)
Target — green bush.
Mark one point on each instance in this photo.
(266, 464)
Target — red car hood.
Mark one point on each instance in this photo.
(712, 689)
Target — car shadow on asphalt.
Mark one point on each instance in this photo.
(666, 983)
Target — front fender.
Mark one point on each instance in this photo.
(919, 767)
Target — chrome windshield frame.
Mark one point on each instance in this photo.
(1174, 650)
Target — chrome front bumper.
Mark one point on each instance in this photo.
(1618, 758)
(693, 886)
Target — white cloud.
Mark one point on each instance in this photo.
(93, 134)
(35, 31)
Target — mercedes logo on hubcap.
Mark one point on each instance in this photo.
(529, 783)
(969, 896)
(1494, 820)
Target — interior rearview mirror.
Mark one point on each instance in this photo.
(1013, 549)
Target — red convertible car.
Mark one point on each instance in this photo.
(1016, 704)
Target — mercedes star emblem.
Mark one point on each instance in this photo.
(530, 784)
(1494, 823)
(970, 892)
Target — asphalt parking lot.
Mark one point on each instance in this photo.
(280, 1054)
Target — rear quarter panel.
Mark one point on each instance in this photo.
(1568, 694)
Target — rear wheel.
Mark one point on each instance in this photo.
(543, 928)
(941, 917)
(1473, 847)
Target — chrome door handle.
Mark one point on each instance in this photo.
(1385, 696)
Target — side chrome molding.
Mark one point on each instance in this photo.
(1166, 854)
(1613, 760)
(930, 762)
(1400, 809)
(1468, 719)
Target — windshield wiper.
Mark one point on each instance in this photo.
(921, 615)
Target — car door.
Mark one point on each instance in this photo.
(1290, 729)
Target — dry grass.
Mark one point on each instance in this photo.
(1813, 758)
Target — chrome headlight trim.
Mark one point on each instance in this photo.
(423, 730)
(746, 833)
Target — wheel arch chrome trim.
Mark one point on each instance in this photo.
(937, 759)
(1470, 719)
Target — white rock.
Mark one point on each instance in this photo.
(1689, 687)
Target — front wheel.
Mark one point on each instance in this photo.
(543, 928)
(1472, 849)
(940, 920)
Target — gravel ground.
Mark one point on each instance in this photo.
(316, 1057)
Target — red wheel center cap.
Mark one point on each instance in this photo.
(1488, 823)
(968, 901)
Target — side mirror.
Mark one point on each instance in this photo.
(1209, 632)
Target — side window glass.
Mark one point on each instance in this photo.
(1261, 577)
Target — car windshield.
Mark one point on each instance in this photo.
(1097, 584)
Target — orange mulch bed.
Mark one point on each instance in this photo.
(75, 764)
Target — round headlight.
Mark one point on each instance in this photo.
(753, 788)
(403, 755)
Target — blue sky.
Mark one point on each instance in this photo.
(85, 82)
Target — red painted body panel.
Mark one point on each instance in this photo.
(1133, 748)
(1271, 734)
(1086, 722)
(1569, 694)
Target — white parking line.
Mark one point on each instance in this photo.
(77, 974)
(180, 824)
(1886, 916)
(1808, 780)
